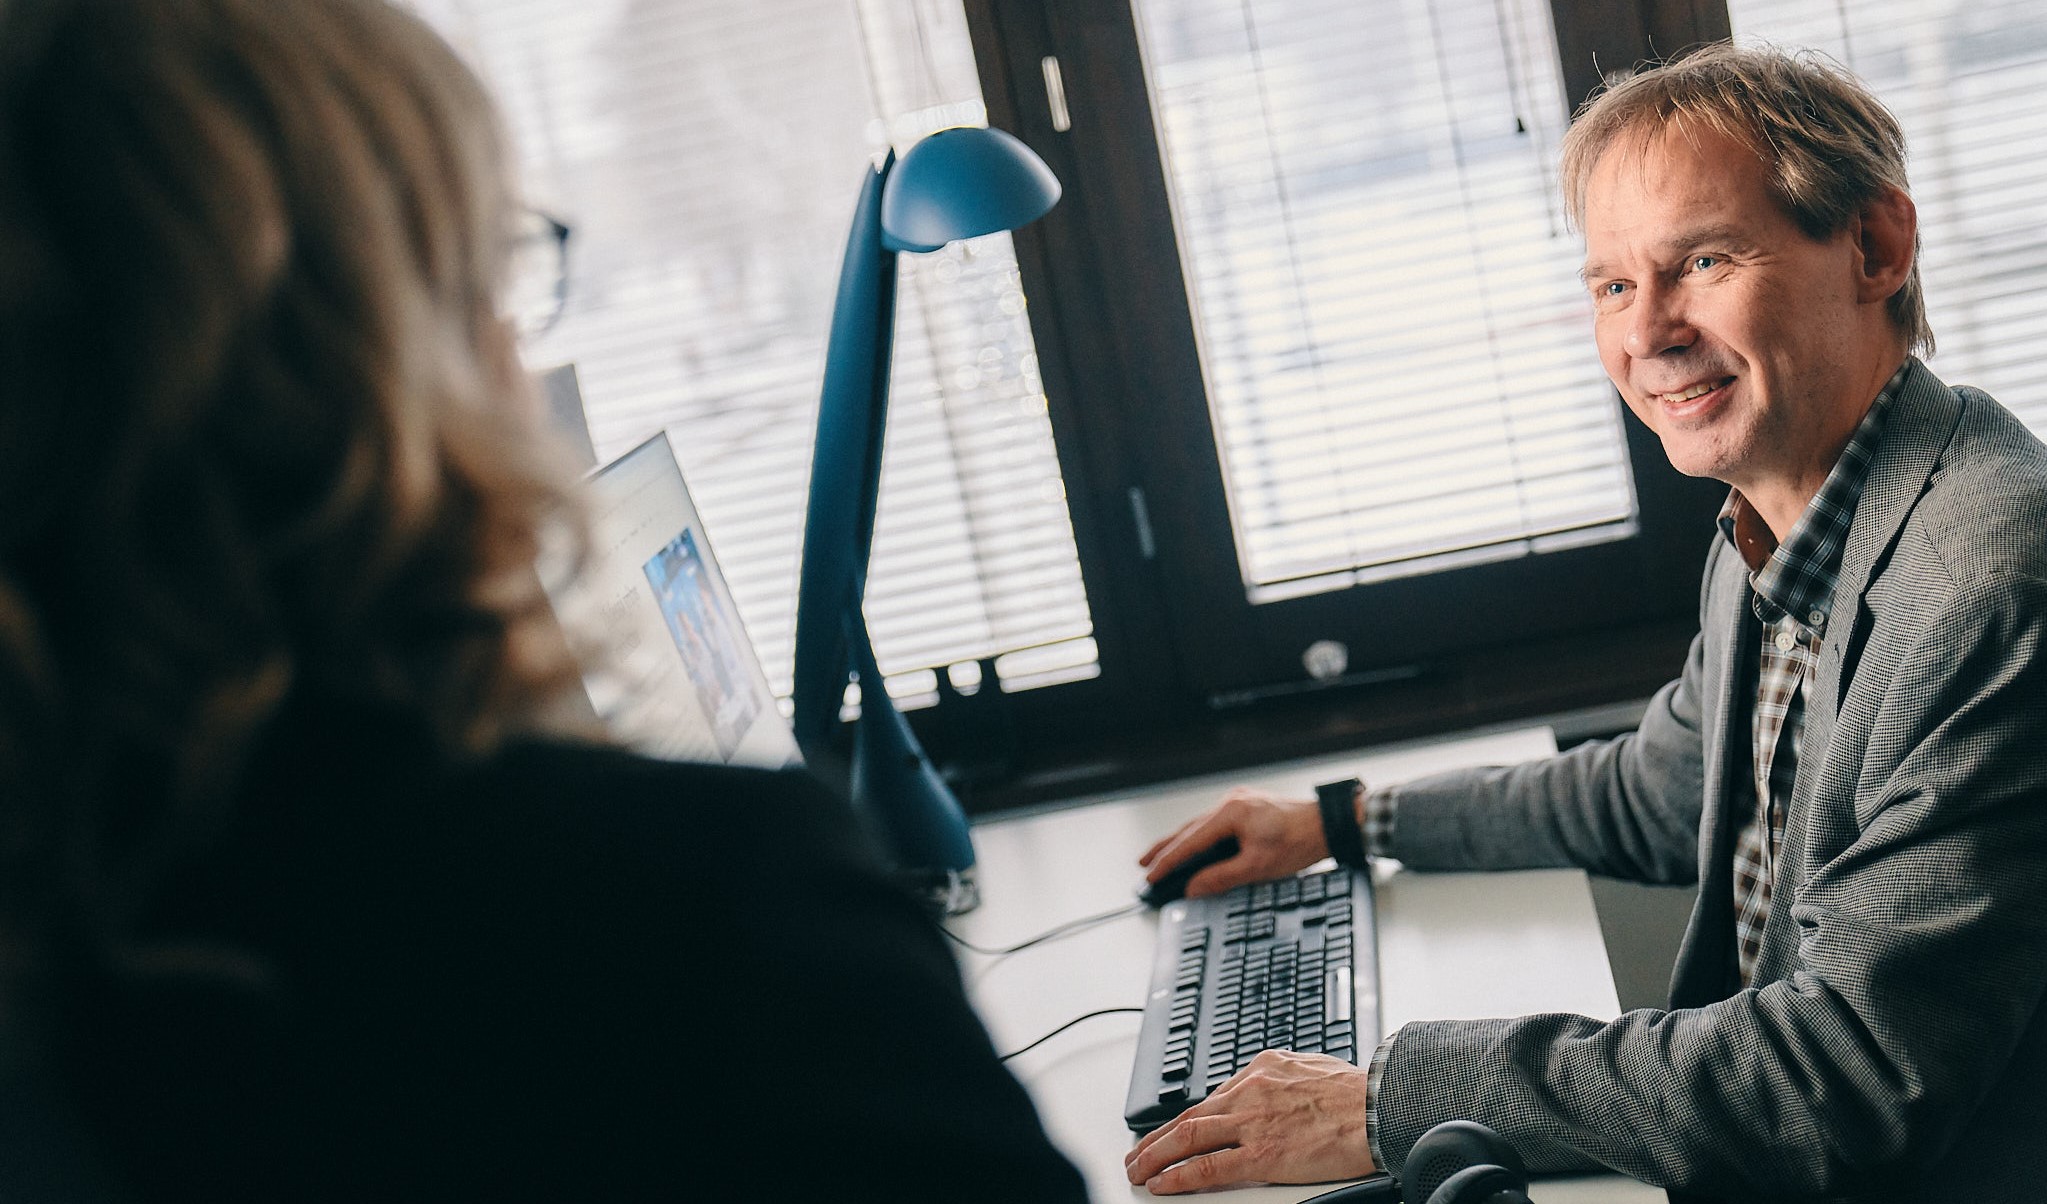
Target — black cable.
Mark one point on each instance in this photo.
(1069, 926)
(1062, 1028)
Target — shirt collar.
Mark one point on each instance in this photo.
(1796, 577)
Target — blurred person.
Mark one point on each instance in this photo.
(299, 899)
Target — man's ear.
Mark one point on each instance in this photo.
(1887, 235)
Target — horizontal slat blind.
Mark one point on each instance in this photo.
(708, 156)
(1968, 82)
(1397, 351)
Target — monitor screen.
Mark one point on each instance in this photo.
(677, 677)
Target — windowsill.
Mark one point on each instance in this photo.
(1582, 687)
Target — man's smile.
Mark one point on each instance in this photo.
(1693, 399)
(1699, 390)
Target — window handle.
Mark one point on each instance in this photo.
(1055, 93)
(1140, 517)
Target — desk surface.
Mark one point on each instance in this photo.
(1450, 946)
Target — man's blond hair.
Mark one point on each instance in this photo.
(1828, 144)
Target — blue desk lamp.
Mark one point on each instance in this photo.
(957, 183)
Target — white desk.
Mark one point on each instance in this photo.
(1450, 946)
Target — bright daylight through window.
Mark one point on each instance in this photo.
(1969, 84)
(1397, 349)
(707, 156)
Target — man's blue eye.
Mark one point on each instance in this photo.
(1613, 288)
(1701, 263)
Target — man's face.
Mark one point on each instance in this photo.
(1729, 331)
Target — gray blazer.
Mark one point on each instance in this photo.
(1895, 1047)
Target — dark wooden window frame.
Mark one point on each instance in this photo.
(1189, 681)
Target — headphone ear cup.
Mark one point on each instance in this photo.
(1482, 1185)
(1449, 1148)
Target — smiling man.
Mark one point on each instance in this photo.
(1852, 765)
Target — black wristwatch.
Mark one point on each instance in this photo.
(1339, 804)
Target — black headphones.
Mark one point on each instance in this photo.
(1463, 1162)
(1457, 1162)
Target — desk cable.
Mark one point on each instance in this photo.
(1068, 928)
(1062, 1028)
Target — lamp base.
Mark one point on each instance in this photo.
(943, 892)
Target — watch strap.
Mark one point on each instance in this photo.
(1338, 802)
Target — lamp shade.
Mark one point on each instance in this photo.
(963, 182)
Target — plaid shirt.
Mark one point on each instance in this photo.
(1793, 584)
(1793, 587)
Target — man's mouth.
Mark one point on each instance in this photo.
(1692, 393)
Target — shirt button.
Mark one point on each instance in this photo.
(1786, 641)
(1817, 617)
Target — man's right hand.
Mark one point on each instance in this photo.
(1275, 836)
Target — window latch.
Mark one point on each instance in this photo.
(1055, 93)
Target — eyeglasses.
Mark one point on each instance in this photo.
(539, 285)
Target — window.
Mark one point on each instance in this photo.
(1392, 331)
(1304, 365)
(1969, 85)
(708, 157)
(1332, 307)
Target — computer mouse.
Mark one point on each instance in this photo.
(1174, 885)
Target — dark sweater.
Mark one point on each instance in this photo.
(566, 974)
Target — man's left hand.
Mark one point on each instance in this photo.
(1286, 1118)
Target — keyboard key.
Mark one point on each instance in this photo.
(1338, 995)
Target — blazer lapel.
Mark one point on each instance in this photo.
(1922, 421)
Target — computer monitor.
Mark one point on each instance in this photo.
(676, 677)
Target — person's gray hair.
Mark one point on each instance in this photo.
(1830, 146)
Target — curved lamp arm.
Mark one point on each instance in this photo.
(955, 184)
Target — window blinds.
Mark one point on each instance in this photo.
(1968, 82)
(1397, 350)
(708, 156)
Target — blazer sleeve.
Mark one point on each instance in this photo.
(1844, 1075)
(1625, 808)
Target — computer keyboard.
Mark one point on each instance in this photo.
(1291, 964)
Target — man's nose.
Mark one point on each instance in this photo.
(1657, 324)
